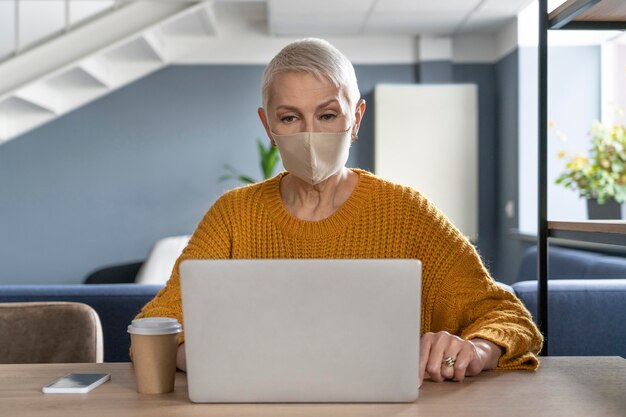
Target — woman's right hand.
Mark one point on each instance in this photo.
(181, 360)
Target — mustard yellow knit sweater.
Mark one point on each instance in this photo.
(379, 220)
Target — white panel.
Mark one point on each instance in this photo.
(87, 62)
(553, 4)
(507, 39)
(315, 25)
(412, 23)
(238, 19)
(131, 61)
(443, 17)
(74, 87)
(613, 102)
(528, 32)
(75, 79)
(261, 49)
(528, 25)
(483, 24)
(426, 137)
(98, 67)
(527, 155)
(20, 115)
(190, 25)
(329, 8)
(40, 94)
(317, 18)
(506, 8)
(438, 6)
(14, 107)
(434, 48)
(155, 39)
(136, 50)
(81, 10)
(7, 28)
(377, 50)
(75, 45)
(39, 19)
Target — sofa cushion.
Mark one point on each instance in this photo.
(116, 305)
(158, 266)
(115, 274)
(506, 287)
(609, 267)
(585, 317)
(565, 263)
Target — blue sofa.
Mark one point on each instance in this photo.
(586, 300)
(586, 310)
(585, 317)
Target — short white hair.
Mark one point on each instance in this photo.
(314, 56)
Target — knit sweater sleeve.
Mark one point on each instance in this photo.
(211, 240)
(486, 311)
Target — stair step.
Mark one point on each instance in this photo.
(104, 55)
(17, 114)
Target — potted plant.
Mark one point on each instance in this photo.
(269, 158)
(599, 177)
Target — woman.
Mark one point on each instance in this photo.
(312, 111)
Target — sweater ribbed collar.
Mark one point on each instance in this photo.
(335, 224)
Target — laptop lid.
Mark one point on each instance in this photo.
(315, 330)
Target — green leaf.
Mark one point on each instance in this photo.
(261, 147)
(234, 174)
(269, 157)
(272, 159)
(246, 179)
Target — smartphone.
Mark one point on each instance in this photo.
(75, 383)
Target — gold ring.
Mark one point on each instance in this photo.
(448, 361)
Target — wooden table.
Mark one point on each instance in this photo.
(563, 386)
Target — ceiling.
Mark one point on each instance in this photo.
(382, 17)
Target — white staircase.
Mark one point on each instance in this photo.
(79, 66)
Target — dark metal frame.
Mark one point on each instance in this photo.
(563, 20)
(594, 26)
(542, 226)
(599, 237)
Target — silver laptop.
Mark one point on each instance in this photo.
(315, 330)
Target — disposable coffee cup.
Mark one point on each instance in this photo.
(154, 343)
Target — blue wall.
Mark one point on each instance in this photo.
(483, 75)
(509, 248)
(100, 185)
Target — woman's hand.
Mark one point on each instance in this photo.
(181, 359)
(470, 357)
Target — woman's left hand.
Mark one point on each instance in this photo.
(469, 357)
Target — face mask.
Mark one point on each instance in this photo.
(314, 156)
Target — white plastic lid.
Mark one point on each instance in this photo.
(155, 326)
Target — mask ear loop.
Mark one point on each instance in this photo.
(272, 139)
(355, 135)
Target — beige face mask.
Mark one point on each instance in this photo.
(314, 156)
